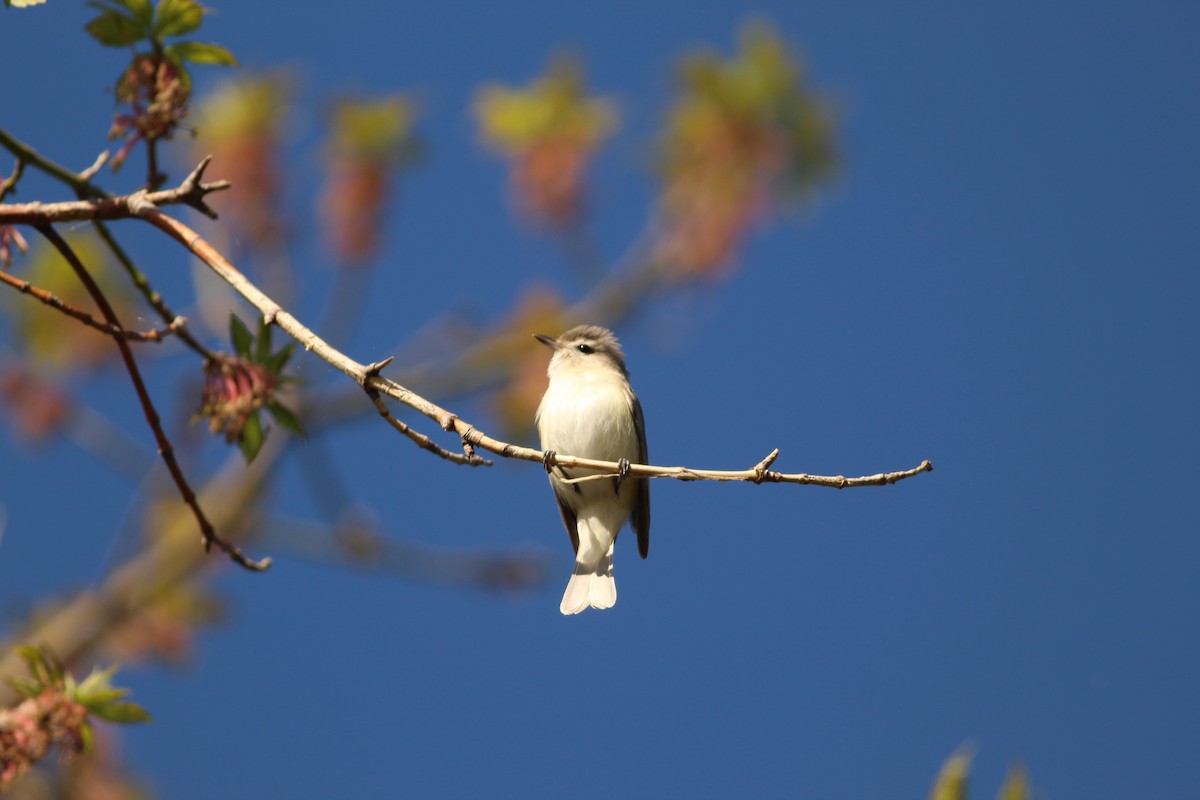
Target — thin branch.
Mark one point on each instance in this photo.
(367, 376)
(82, 185)
(90, 172)
(165, 450)
(191, 193)
(417, 438)
(760, 474)
(10, 183)
(155, 335)
(152, 297)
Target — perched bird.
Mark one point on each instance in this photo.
(590, 411)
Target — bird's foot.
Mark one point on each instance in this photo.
(549, 460)
(622, 471)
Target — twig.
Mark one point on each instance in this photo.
(90, 172)
(10, 183)
(757, 474)
(419, 439)
(191, 193)
(165, 450)
(155, 335)
(152, 297)
(82, 185)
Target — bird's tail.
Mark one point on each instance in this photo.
(590, 586)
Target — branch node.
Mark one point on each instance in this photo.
(447, 421)
(760, 469)
(139, 203)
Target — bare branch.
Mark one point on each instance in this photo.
(191, 192)
(367, 376)
(10, 183)
(209, 535)
(155, 335)
(419, 439)
(96, 166)
(756, 474)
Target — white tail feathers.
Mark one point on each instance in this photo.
(590, 586)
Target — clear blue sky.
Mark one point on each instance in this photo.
(1004, 281)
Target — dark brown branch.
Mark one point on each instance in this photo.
(155, 335)
(165, 450)
(10, 183)
(152, 297)
(81, 184)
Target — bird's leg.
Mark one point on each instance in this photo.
(622, 471)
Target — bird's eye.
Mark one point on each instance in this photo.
(586, 349)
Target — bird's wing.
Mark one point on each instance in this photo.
(570, 522)
(641, 507)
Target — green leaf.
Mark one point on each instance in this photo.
(277, 361)
(97, 681)
(31, 656)
(263, 351)
(177, 17)
(86, 739)
(115, 29)
(286, 418)
(240, 336)
(101, 697)
(24, 688)
(122, 713)
(142, 10)
(201, 53)
(253, 437)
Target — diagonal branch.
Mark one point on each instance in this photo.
(367, 376)
(210, 536)
(418, 438)
(155, 335)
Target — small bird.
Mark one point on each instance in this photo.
(590, 411)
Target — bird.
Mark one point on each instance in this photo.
(589, 410)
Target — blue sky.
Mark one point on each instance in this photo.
(1003, 280)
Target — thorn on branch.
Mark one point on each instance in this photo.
(373, 370)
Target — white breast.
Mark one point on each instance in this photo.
(588, 414)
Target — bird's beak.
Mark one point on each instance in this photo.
(549, 341)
